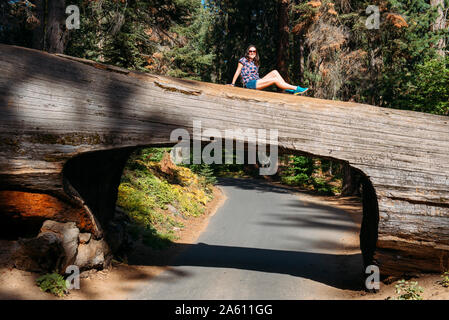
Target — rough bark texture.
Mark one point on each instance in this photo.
(50, 34)
(351, 181)
(56, 31)
(440, 24)
(67, 127)
(39, 29)
(283, 41)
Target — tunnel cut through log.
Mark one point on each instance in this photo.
(93, 178)
(54, 108)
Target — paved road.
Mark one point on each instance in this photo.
(263, 243)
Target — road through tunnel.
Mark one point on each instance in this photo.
(94, 179)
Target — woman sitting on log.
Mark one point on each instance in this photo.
(248, 67)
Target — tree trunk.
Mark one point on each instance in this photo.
(301, 57)
(439, 24)
(39, 31)
(56, 32)
(351, 181)
(283, 42)
(51, 34)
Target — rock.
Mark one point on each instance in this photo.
(84, 238)
(45, 253)
(87, 274)
(68, 233)
(95, 254)
(53, 249)
(172, 209)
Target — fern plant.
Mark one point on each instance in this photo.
(445, 281)
(53, 283)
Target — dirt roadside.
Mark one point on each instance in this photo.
(120, 279)
(433, 290)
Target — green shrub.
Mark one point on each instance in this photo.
(408, 290)
(426, 88)
(445, 281)
(154, 198)
(53, 283)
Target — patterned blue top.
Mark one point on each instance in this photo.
(249, 71)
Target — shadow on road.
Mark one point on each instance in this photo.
(252, 184)
(329, 269)
(338, 270)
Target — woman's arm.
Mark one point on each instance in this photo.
(237, 73)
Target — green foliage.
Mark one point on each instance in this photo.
(408, 290)
(164, 37)
(405, 52)
(208, 173)
(192, 59)
(17, 19)
(445, 281)
(305, 172)
(211, 171)
(428, 87)
(299, 171)
(393, 66)
(153, 199)
(53, 283)
(151, 154)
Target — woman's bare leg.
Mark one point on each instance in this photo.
(271, 78)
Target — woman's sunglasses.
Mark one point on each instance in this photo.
(249, 51)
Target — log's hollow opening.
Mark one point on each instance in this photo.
(92, 179)
(353, 182)
(370, 222)
(22, 213)
(95, 178)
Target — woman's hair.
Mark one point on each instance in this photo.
(256, 58)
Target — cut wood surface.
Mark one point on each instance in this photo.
(57, 110)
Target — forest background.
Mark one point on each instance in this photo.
(325, 45)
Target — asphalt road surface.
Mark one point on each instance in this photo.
(263, 243)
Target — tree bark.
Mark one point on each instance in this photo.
(51, 34)
(351, 181)
(283, 42)
(439, 24)
(301, 57)
(39, 31)
(56, 31)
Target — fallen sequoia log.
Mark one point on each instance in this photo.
(68, 126)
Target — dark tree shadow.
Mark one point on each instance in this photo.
(331, 269)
